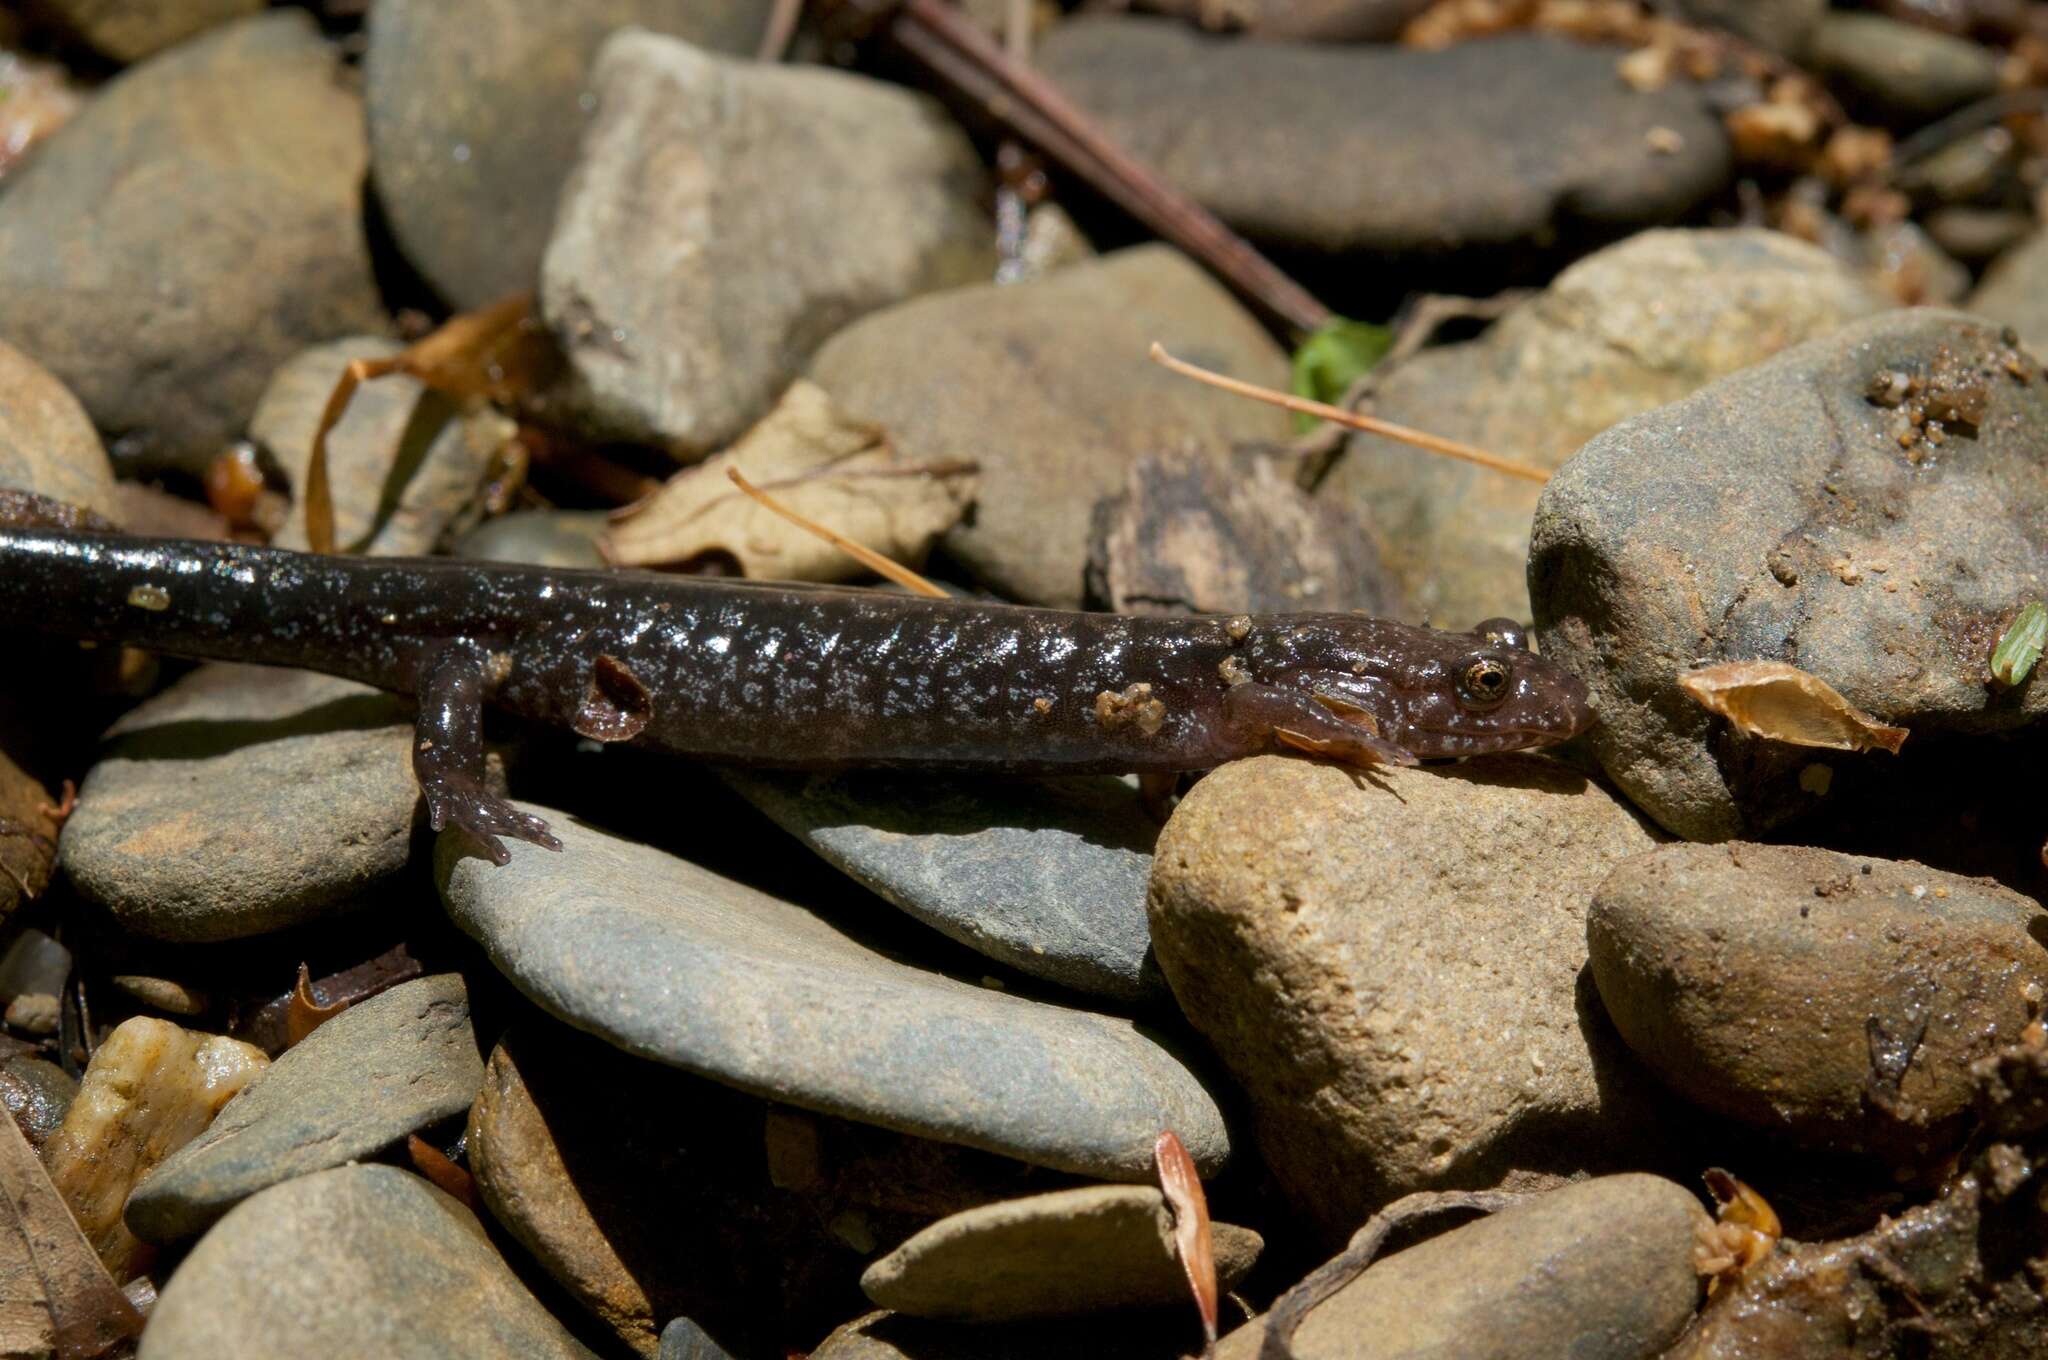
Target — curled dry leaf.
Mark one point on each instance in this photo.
(819, 463)
(498, 353)
(55, 1296)
(1182, 1186)
(307, 1014)
(2019, 646)
(429, 1161)
(1783, 703)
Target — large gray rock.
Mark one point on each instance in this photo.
(1600, 1270)
(1637, 325)
(1046, 385)
(1394, 975)
(1047, 876)
(380, 1070)
(891, 1336)
(402, 463)
(47, 442)
(1393, 150)
(1066, 1253)
(475, 112)
(1831, 999)
(674, 963)
(360, 1260)
(196, 224)
(243, 800)
(1780, 514)
(686, 283)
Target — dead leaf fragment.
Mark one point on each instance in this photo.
(819, 463)
(1783, 703)
(1182, 1186)
(55, 1296)
(429, 1161)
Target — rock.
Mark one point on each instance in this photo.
(887, 1336)
(683, 1339)
(38, 1094)
(1907, 264)
(1893, 72)
(1977, 235)
(1209, 536)
(750, 1217)
(225, 181)
(1493, 142)
(1639, 324)
(34, 963)
(1046, 385)
(1067, 1253)
(362, 1081)
(475, 115)
(163, 994)
(1598, 1270)
(674, 963)
(543, 538)
(682, 193)
(34, 1013)
(1779, 515)
(129, 30)
(2015, 289)
(403, 462)
(1781, 25)
(1047, 876)
(360, 1260)
(1833, 1000)
(1332, 21)
(150, 1088)
(47, 442)
(1394, 976)
(242, 800)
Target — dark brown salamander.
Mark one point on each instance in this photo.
(808, 678)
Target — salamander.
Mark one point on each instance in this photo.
(796, 677)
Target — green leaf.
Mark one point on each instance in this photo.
(1330, 360)
(2019, 647)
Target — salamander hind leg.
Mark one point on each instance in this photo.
(1292, 718)
(448, 753)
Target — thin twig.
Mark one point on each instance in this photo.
(945, 40)
(1288, 1311)
(782, 17)
(866, 556)
(1421, 439)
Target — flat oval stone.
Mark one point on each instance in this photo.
(1067, 1253)
(381, 1069)
(1832, 999)
(674, 963)
(47, 442)
(1047, 876)
(1394, 974)
(892, 1336)
(242, 800)
(1598, 1270)
(360, 1260)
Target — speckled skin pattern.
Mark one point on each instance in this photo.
(800, 677)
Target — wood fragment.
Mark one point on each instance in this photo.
(1421, 439)
(1779, 702)
(1182, 1186)
(1289, 1310)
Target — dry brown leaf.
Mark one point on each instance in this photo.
(307, 1013)
(55, 1296)
(819, 463)
(497, 353)
(430, 1162)
(1783, 703)
(1182, 1186)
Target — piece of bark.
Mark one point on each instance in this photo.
(1202, 535)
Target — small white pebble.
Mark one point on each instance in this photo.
(1919, 891)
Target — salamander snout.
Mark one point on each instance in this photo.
(1495, 699)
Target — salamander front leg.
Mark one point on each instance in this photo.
(1294, 718)
(448, 752)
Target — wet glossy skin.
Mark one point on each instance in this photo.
(807, 678)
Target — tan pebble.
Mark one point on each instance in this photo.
(162, 993)
(150, 1089)
(33, 1013)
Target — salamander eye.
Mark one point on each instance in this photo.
(1483, 683)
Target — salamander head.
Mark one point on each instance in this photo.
(1431, 693)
